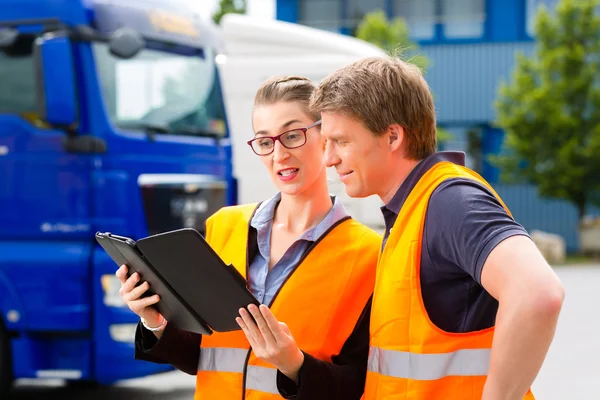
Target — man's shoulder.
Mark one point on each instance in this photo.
(457, 198)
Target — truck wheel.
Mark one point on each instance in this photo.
(6, 373)
(83, 385)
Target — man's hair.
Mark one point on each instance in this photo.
(379, 92)
(287, 89)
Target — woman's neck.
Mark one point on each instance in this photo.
(299, 213)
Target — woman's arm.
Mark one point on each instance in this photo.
(177, 347)
(306, 377)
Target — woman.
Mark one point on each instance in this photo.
(305, 260)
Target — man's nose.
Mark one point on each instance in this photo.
(280, 152)
(331, 157)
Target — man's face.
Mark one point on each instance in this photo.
(361, 159)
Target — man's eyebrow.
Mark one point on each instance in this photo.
(336, 136)
(282, 128)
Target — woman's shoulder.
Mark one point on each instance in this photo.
(236, 211)
(360, 231)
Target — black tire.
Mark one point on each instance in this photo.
(83, 385)
(6, 372)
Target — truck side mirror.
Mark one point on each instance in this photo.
(125, 43)
(57, 94)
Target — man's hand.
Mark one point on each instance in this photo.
(271, 340)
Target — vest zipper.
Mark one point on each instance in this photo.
(306, 253)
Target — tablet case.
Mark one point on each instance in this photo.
(199, 292)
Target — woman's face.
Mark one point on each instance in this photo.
(292, 170)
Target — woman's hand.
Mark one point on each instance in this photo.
(271, 340)
(131, 296)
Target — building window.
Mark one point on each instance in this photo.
(459, 19)
(322, 14)
(531, 12)
(356, 10)
(18, 89)
(420, 15)
(463, 19)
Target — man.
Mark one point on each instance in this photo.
(465, 306)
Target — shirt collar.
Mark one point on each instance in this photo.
(396, 203)
(266, 212)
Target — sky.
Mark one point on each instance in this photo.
(258, 8)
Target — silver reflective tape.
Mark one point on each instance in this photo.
(262, 379)
(426, 367)
(222, 359)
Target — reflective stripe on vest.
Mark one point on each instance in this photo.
(428, 367)
(225, 359)
(222, 359)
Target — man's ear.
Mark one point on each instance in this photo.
(396, 137)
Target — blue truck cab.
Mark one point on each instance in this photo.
(111, 119)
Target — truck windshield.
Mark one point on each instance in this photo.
(162, 92)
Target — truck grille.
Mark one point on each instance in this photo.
(180, 201)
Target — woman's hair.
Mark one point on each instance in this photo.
(287, 89)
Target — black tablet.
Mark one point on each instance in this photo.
(198, 290)
(175, 309)
(215, 290)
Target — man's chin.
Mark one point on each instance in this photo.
(355, 193)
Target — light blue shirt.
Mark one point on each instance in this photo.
(264, 283)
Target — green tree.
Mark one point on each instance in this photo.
(550, 110)
(229, 6)
(391, 36)
(394, 38)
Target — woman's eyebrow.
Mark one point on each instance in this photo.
(282, 128)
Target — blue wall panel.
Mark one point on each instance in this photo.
(465, 78)
(287, 10)
(505, 20)
(539, 213)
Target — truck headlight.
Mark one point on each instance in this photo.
(110, 286)
(123, 333)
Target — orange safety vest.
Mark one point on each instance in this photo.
(321, 302)
(411, 358)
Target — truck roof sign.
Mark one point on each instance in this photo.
(173, 23)
(155, 23)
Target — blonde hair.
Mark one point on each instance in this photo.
(381, 91)
(287, 89)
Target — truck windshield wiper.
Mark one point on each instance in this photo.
(146, 127)
(190, 130)
(193, 130)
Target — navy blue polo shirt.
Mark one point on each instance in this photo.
(463, 224)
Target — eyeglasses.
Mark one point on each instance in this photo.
(292, 139)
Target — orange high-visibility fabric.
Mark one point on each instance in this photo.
(321, 302)
(410, 357)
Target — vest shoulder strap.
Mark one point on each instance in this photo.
(227, 218)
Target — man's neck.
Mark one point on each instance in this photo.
(397, 178)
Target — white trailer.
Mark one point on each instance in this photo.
(256, 49)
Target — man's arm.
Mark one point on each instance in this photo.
(473, 232)
(530, 297)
